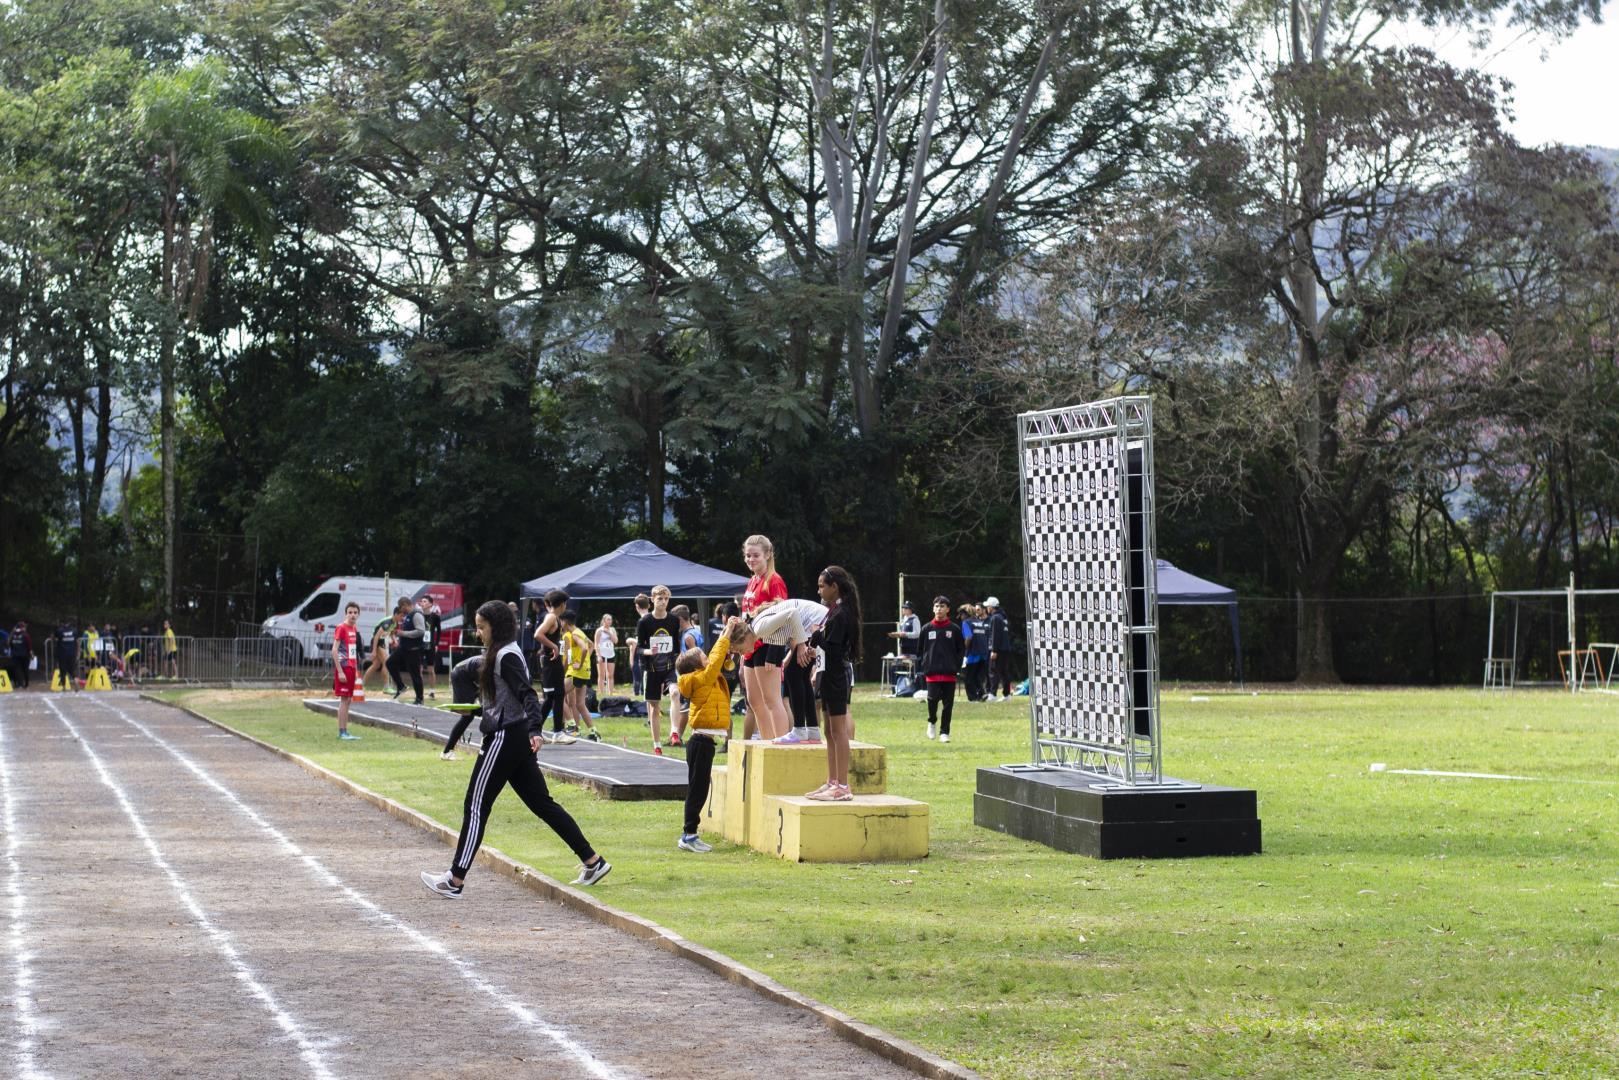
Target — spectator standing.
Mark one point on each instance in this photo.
(691, 637)
(657, 634)
(975, 631)
(380, 636)
(909, 631)
(410, 631)
(346, 666)
(576, 645)
(553, 667)
(67, 655)
(1000, 649)
(435, 636)
(171, 651)
(90, 648)
(606, 651)
(940, 659)
(21, 648)
(643, 604)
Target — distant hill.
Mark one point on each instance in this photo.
(1608, 158)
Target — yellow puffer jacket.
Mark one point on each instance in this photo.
(708, 695)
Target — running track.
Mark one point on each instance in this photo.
(176, 901)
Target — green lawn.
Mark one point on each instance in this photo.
(1407, 925)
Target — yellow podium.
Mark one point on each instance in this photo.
(5, 681)
(758, 799)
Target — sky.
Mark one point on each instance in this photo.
(1563, 91)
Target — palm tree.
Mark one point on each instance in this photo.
(201, 153)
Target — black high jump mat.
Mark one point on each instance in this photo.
(1087, 814)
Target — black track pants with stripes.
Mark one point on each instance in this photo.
(507, 759)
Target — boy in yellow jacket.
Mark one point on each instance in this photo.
(708, 713)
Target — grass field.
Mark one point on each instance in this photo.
(1410, 926)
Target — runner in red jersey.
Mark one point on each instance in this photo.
(346, 665)
(761, 671)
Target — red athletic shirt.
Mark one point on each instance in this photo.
(761, 592)
(345, 642)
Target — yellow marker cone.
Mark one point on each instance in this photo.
(98, 680)
(56, 679)
(5, 682)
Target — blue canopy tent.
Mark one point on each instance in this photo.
(634, 568)
(1176, 586)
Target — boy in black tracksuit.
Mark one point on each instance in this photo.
(940, 650)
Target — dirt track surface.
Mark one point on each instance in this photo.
(241, 918)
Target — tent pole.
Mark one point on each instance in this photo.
(1489, 644)
(1236, 641)
(1573, 645)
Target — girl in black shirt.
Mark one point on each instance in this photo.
(839, 638)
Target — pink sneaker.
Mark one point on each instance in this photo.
(826, 794)
(841, 793)
(820, 790)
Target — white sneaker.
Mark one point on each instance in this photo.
(561, 738)
(589, 875)
(694, 843)
(440, 883)
(931, 729)
(448, 755)
(944, 738)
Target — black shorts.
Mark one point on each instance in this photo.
(766, 655)
(656, 681)
(834, 695)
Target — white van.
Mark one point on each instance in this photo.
(312, 620)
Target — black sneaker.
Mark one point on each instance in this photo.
(594, 736)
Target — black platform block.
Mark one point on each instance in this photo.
(1073, 812)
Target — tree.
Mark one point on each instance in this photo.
(197, 148)
(1332, 215)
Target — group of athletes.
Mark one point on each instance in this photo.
(793, 659)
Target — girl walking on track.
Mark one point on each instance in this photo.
(511, 727)
(761, 671)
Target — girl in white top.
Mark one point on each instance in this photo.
(790, 623)
(606, 649)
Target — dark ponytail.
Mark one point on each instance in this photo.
(502, 632)
(848, 597)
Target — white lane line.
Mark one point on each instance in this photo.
(222, 940)
(22, 970)
(468, 971)
(1380, 767)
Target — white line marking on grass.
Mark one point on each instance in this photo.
(222, 940)
(592, 1064)
(22, 971)
(1380, 767)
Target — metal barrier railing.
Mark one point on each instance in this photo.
(136, 659)
(258, 661)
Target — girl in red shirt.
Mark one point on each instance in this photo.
(761, 671)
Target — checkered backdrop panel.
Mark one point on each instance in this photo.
(1076, 545)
